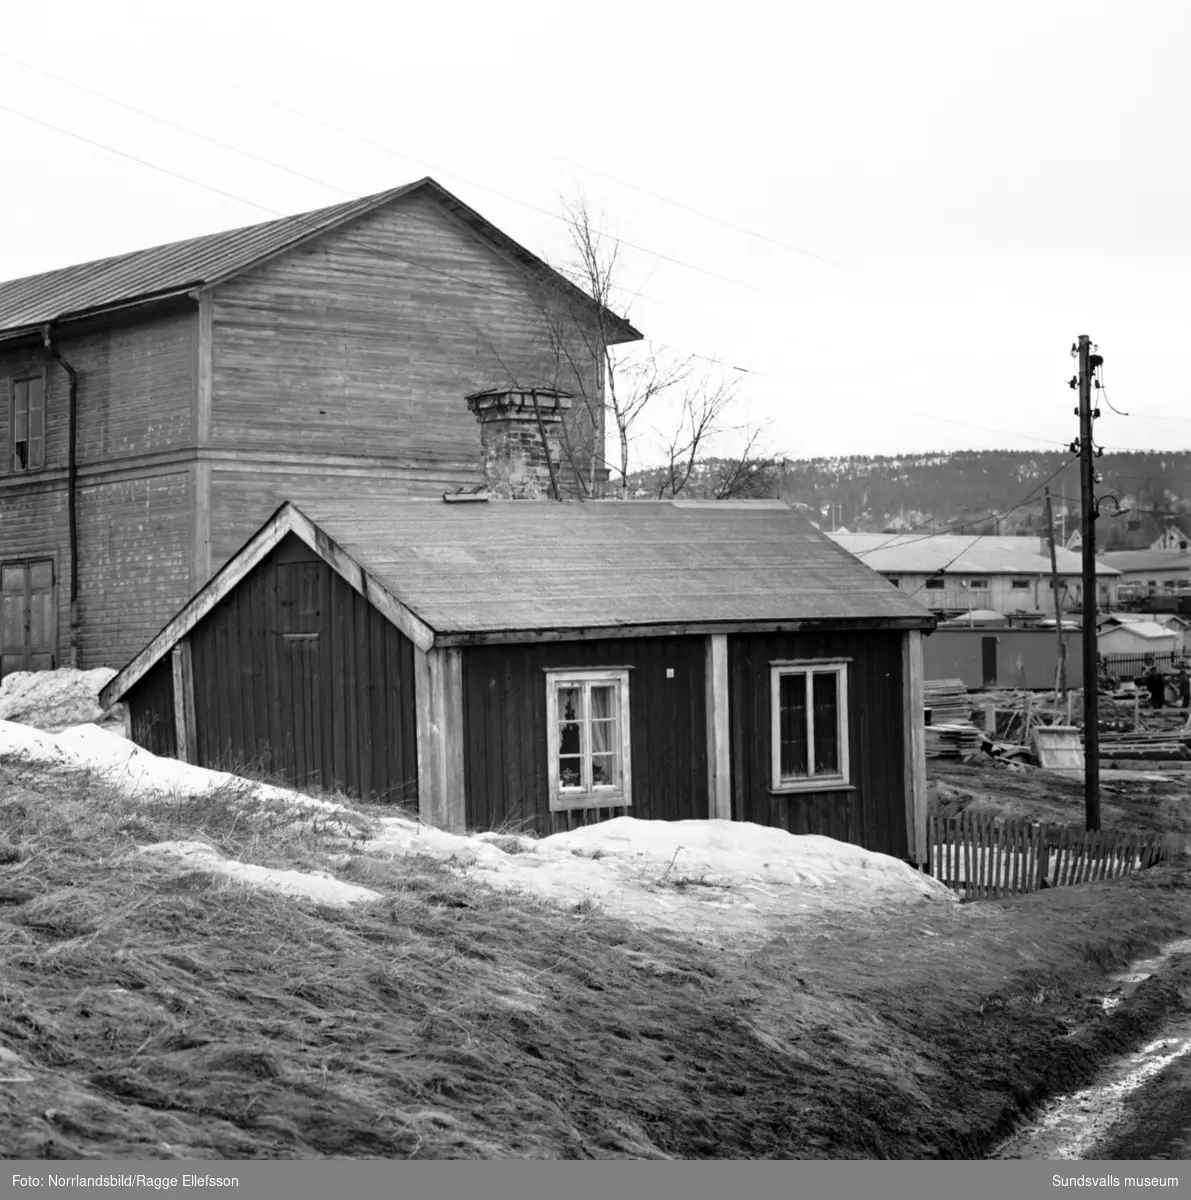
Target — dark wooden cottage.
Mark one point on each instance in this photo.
(499, 662)
(156, 407)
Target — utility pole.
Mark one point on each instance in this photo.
(1091, 676)
(1061, 682)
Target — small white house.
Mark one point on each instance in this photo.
(1117, 636)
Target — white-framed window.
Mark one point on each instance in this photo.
(26, 424)
(587, 738)
(809, 724)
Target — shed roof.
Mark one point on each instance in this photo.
(144, 275)
(515, 570)
(1143, 629)
(927, 554)
(1148, 560)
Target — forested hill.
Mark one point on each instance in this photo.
(873, 494)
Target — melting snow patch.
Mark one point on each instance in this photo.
(55, 700)
(687, 874)
(313, 885)
(136, 772)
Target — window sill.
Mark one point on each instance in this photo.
(582, 800)
(825, 786)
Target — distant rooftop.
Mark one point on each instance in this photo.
(930, 554)
(1148, 560)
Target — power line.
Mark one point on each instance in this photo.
(644, 191)
(260, 158)
(942, 533)
(16, 112)
(472, 183)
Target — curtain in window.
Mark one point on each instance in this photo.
(604, 759)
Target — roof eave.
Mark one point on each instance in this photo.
(512, 636)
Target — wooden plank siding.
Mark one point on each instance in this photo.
(297, 676)
(873, 813)
(151, 710)
(504, 723)
(366, 341)
(135, 382)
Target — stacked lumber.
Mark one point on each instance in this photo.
(948, 701)
(1150, 747)
(952, 741)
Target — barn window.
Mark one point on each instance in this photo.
(1020, 585)
(27, 424)
(809, 724)
(895, 580)
(936, 584)
(588, 739)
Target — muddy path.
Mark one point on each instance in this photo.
(1138, 1104)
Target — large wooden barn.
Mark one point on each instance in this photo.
(496, 662)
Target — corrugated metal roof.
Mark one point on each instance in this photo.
(520, 565)
(1147, 560)
(164, 270)
(916, 554)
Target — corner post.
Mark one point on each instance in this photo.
(438, 694)
(185, 731)
(914, 699)
(719, 774)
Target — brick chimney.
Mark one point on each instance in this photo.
(514, 458)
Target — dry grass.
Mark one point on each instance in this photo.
(162, 1013)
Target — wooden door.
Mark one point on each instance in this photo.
(988, 648)
(27, 625)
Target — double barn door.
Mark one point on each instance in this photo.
(27, 616)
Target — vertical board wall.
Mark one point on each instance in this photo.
(873, 813)
(504, 724)
(296, 675)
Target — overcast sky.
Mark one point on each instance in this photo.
(906, 213)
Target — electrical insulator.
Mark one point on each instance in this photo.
(1073, 382)
(1095, 413)
(1074, 447)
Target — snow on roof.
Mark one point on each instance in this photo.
(925, 554)
(1145, 629)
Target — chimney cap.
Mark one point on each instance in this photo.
(542, 393)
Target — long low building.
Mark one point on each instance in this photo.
(949, 573)
(1151, 572)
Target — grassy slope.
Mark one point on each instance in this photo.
(167, 1014)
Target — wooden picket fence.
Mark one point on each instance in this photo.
(982, 858)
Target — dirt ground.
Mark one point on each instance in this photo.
(148, 1011)
(1150, 801)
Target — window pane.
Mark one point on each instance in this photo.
(36, 424)
(826, 700)
(12, 622)
(20, 426)
(604, 770)
(570, 771)
(570, 737)
(792, 725)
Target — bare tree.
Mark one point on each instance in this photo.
(644, 392)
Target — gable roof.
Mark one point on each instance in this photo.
(501, 571)
(930, 554)
(1143, 629)
(1148, 560)
(178, 267)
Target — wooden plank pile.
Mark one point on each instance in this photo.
(1143, 746)
(948, 702)
(952, 741)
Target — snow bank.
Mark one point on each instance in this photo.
(691, 875)
(316, 885)
(55, 700)
(117, 761)
(724, 878)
